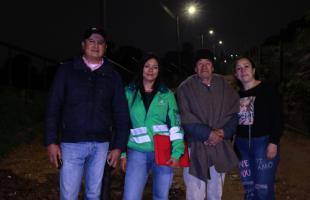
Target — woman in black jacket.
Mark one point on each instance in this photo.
(258, 132)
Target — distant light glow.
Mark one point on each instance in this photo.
(220, 42)
(211, 32)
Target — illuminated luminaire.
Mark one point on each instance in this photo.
(211, 32)
(225, 61)
(220, 42)
(191, 10)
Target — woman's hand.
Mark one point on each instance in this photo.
(272, 150)
(123, 164)
(173, 162)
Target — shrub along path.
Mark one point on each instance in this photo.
(26, 174)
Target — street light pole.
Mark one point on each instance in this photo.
(220, 43)
(105, 23)
(214, 49)
(191, 10)
(175, 17)
(210, 32)
(178, 32)
(102, 13)
(179, 42)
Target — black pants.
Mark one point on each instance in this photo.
(106, 183)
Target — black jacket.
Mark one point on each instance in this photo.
(267, 113)
(87, 105)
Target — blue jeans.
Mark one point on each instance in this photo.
(84, 158)
(139, 164)
(256, 171)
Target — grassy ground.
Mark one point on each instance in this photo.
(26, 174)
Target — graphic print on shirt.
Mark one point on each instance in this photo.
(246, 113)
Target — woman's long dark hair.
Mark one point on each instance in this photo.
(139, 79)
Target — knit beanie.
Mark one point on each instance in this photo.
(203, 54)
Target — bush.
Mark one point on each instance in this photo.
(297, 94)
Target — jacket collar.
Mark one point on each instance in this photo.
(162, 88)
(79, 64)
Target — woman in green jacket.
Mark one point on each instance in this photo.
(153, 110)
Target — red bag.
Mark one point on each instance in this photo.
(162, 148)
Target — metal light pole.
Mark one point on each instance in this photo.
(176, 17)
(220, 43)
(191, 10)
(210, 32)
(105, 23)
(179, 43)
(178, 32)
(102, 13)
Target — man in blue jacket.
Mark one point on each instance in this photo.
(86, 102)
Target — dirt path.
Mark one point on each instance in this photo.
(26, 174)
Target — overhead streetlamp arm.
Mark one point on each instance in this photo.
(168, 11)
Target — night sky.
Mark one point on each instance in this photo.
(53, 28)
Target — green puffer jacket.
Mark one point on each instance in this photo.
(162, 118)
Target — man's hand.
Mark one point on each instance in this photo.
(53, 151)
(123, 164)
(216, 136)
(113, 157)
(219, 132)
(272, 150)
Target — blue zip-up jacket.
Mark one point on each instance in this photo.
(87, 106)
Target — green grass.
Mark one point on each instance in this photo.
(22, 113)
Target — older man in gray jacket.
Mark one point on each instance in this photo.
(208, 107)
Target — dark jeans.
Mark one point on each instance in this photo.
(257, 173)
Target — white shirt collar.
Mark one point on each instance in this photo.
(92, 66)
